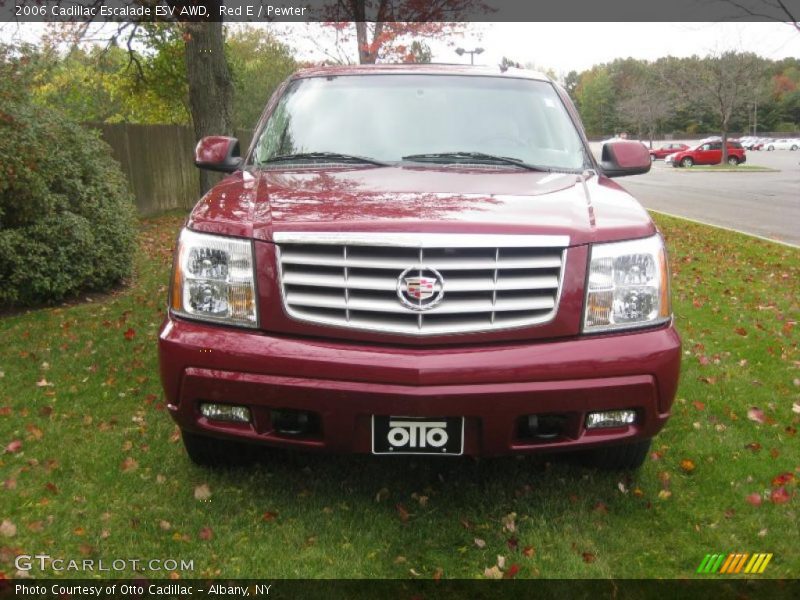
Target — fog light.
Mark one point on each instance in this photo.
(226, 412)
(610, 418)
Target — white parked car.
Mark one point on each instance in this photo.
(783, 144)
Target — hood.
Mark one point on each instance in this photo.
(421, 199)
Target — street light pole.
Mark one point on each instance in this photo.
(472, 53)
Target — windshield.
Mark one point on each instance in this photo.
(386, 117)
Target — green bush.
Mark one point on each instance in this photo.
(67, 221)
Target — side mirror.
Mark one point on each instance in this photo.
(218, 153)
(624, 157)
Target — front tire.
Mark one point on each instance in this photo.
(687, 162)
(616, 458)
(793, 148)
(206, 451)
(733, 161)
(770, 148)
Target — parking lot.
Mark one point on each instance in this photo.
(763, 204)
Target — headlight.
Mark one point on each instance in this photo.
(213, 279)
(628, 285)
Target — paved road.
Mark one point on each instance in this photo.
(764, 204)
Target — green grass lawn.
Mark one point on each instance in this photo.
(93, 468)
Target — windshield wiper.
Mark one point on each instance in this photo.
(329, 156)
(474, 157)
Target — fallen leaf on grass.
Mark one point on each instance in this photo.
(779, 496)
(43, 383)
(601, 508)
(664, 494)
(130, 464)
(7, 528)
(588, 557)
(687, 466)
(437, 574)
(741, 331)
(796, 408)
(782, 479)
(529, 551)
(512, 571)
(269, 516)
(36, 526)
(165, 525)
(36, 433)
(129, 334)
(755, 414)
(202, 492)
(480, 543)
(754, 499)
(14, 447)
(493, 573)
(402, 512)
(753, 447)
(699, 405)
(510, 522)
(512, 543)
(206, 533)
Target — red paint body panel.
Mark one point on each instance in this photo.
(213, 149)
(491, 385)
(428, 199)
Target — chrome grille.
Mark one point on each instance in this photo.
(489, 282)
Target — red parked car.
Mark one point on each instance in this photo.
(709, 153)
(420, 259)
(666, 150)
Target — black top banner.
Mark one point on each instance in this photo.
(255, 11)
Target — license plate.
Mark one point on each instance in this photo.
(417, 435)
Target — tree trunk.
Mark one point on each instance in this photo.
(724, 159)
(364, 55)
(210, 85)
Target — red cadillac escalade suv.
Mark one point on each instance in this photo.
(420, 260)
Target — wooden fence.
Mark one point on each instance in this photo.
(158, 161)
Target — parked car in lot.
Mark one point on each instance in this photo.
(709, 153)
(783, 144)
(666, 150)
(420, 259)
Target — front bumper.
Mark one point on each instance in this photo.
(494, 386)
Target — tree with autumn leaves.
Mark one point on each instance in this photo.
(385, 30)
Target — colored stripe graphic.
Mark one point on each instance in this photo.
(734, 563)
(731, 560)
(764, 564)
(703, 568)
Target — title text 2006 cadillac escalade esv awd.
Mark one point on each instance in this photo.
(420, 259)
